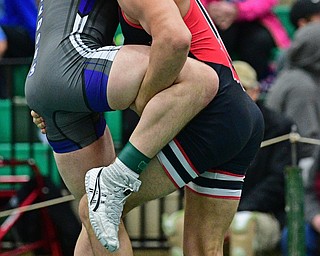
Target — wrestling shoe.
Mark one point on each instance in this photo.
(107, 190)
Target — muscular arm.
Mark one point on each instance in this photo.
(170, 43)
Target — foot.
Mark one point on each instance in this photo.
(107, 190)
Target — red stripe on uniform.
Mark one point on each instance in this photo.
(227, 173)
(186, 157)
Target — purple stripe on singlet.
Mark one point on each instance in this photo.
(64, 146)
(96, 90)
(86, 6)
(67, 145)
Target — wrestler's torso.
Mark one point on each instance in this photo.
(62, 18)
(206, 44)
(91, 22)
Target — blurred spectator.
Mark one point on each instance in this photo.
(17, 32)
(3, 41)
(18, 23)
(312, 212)
(312, 209)
(296, 91)
(302, 12)
(249, 29)
(257, 225)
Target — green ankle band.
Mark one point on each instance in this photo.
(133, 158)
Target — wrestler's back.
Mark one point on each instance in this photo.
(57, 62)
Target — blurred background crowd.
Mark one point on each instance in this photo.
(275, 49)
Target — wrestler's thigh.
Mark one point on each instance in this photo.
(206, 221)
(126, 75)
(74, 165)
(155, 184)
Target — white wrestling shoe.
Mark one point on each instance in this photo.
(107, 190)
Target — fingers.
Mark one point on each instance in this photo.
(38, 121)
(34, 114)
(40, 125)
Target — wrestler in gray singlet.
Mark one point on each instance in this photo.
(67, 80)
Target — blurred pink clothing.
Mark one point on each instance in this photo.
(249, 10)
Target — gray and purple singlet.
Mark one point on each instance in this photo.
(67, 81)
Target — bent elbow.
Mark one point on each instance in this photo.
(179, 41)
(182, 41)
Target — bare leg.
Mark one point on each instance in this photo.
(170, 110)
(206, 223)
(90, 245)
(73, 166)
(84, 245)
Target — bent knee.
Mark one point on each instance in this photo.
(203, 80)
(210, 84)
(83, 210)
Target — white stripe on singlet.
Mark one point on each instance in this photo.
(222, 176)
(182, 159)
(171, 170)
(106, 52)
(218, 192)
(212, 192)
(215, 192)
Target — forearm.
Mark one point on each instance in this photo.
(166, 61)
(170, 45)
